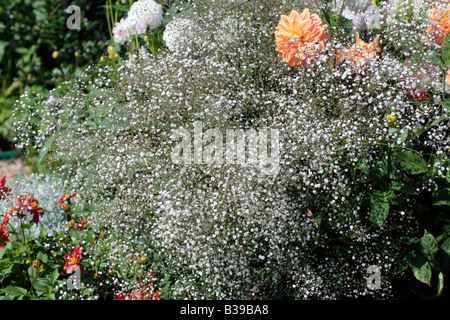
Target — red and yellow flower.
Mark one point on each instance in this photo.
(36, 211)
(72, 260)
(66, 197)
(27, 204)
(82, 224)
(4, 234)
(300, 37)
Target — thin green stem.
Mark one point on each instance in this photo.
(137, 41)
(340, 13)
(116, 12)
(111, 13)
(108, 20)
(443, 86)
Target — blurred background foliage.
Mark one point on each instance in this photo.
(38, 51)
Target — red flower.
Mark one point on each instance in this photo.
(5, 219)
(121, 296)
(141, 259)
(36, 212)
(31, 204)
(4, 237)
(83, 223)
(145, 292)
(64, 198)
(72, 260)
(27, 204)
(4, 234)
(4, 191)
(415, 95)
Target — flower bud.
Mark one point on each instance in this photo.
(37, 264)
(391, 118)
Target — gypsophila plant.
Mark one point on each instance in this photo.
(355, 92)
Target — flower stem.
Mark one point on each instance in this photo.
(137, 41)
(108, 20)
(111, 13)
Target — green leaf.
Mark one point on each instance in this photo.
(32, 272)
(54, 276)
(42, 257)
(21, 50)
(403, 263)
(43, 233)
(6, 268)
(427, 127)
(380, 208)
(347, 24)
(446, 50)
(20, 249)
(438, 61)
(3, 45)
(398, 186)
(446, 246)
(15, 291)
(41, 284)
(412, 162)
(429, 245)
(446, 104)
(327, 18)
(440, 285)
(60, 235)
(46, 148)
(27, 226)
(421, 269)
(442, 197)
(378, 176)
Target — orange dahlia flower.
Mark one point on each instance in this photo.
(360, 52)
(440, 24)
(300, 37)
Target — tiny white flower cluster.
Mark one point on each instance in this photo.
(182, 34)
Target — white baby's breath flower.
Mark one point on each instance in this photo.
(181, 33)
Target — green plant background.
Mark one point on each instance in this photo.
(30, 31)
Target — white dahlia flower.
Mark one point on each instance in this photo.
(146, 11)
